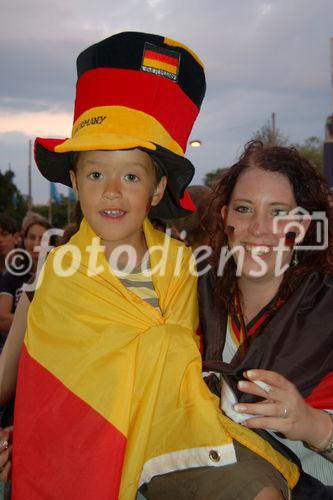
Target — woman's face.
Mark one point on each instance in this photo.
(258, 198)
(33, 238)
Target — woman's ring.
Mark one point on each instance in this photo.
(285, 413)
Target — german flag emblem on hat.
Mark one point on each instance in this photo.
(160, 61)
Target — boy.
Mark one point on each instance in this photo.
(9, 238)
(110, 393)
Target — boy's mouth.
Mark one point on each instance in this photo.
(113, 214)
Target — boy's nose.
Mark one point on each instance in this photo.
(112, 189)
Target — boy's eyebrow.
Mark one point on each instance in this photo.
(127, 165)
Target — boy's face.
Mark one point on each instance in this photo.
(116, 190)
(8, 241)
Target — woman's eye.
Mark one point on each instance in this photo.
(279, 212)
(131, 178)
(242, 209)
(95, 176)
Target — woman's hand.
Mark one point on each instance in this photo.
(5, 452)
(283, 409)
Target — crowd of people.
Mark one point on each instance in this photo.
(19, 257)
(178, 342)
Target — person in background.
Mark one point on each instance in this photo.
(9, 238)
(21, 270)
(266, 314)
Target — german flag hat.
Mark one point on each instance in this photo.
(134, 90)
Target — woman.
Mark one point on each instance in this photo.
(21, 270)
(267, 306)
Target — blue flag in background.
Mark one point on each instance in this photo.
(14, 200)
(54, 193)
(71, 195)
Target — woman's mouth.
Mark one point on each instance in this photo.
(259, 250)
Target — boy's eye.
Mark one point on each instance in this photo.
(95, 176)
(279, 212)
(131, 178)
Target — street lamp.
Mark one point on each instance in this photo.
(195, 143)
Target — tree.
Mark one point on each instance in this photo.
(212, 177)
(313, 150)
(270, 136)
(62, 211)
(11, 200)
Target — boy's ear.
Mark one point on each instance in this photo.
(159, 191)
(74, 183)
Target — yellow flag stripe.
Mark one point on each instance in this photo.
(154, 63)
(117, 127)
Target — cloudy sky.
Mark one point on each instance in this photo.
(261, 56)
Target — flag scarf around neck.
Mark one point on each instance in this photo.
(110, 390)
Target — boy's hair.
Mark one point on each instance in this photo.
(8, 224)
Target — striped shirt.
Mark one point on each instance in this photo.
(140, 283)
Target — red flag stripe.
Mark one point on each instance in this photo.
(150, 54)
(158, 97)
(53, 441)
(187, 202)
(322, 395)
(257, 324)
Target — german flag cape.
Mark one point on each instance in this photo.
(296, 342)
(110, 391)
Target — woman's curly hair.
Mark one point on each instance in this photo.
(311, 193)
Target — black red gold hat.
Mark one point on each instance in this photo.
(133, 90)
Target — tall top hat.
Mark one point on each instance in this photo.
(134, 90)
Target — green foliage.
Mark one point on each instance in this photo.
(312, 149)
(270, 137)
(212, 177)
(12, 201)
(42, 210)
(60, 212)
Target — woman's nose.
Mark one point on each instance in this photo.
(260, 225)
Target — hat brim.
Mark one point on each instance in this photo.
(55, 167)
